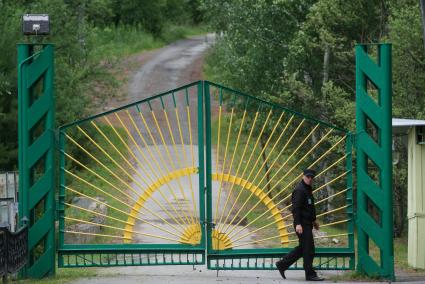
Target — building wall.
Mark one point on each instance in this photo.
(8, 199)
(416, 201)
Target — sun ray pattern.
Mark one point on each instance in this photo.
(260, 150)
(131, 175)
(135, 179)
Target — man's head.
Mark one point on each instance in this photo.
(308, 176)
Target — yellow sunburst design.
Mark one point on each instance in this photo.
(192, 235)
(220, 241)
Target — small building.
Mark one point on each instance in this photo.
(415, 142)
(9, 199)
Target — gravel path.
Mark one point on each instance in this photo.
(172, 66)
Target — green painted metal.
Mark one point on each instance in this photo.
(106, 258)
(36, 156)
(258, 261)
(135, 104)
(85, 255)
(350, 213)
(265, 258)
(210, 225)
(109, 254)
(201, 161)
(378, 188)
(260, 102)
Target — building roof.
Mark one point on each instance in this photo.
(402, 122)
(401, 125)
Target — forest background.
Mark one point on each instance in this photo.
(298, 53)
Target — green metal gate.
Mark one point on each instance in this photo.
(131, 184)
(133, 180)
(256, 152)
(129, 180)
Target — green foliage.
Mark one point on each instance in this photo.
(114, 42)
(301, 54)
(8, 89)
(89, 36)
(154, 16)
(84, 188)
(145, 12)
(408, 61)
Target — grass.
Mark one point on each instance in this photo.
(64, 275)
(91, 178)
(400, 263)
(252, 200)
(116, 54)
(353, 276)
(118, 42)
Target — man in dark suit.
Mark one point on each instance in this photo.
(304, 214)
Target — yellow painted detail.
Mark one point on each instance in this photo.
(147, 194)
(220, 241)
(192, 235)
(262, 196)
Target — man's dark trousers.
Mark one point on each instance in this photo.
(304, 249)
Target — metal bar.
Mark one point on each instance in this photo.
(224, 160)
(119, 229)
(147, 100)
(187, 222)
(206, 95)
(185, 162)
(380, 75)
(204, 169)
(349, 196)
(243, 173)
(148, 162)
(234, 152)
(31, 67)
(119, 210)
(276, 106)
(237, 171)
(271, 199)
(251, 222)
(178, 166)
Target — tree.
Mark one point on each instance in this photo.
(301, 54)
(148, 14)
(422, 5)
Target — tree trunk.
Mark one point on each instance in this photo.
(324, 164)
(326, 64)
(398, 212)
(422, 4)
(82, 26)
(266, 168)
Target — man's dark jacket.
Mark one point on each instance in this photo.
(303, 204)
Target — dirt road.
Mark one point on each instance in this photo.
(175, 65)
(167, 68)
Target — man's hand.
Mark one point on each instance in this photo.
(299, 229)
(316, 225)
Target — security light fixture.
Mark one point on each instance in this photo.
(35, 24)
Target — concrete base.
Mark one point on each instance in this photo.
(416, 243)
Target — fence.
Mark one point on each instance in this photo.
(13, 250)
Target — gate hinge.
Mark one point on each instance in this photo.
(209, 224)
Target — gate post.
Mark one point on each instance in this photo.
(374, 162)
(36, 156)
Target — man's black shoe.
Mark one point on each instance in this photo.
(279, 266)
(314, 278)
